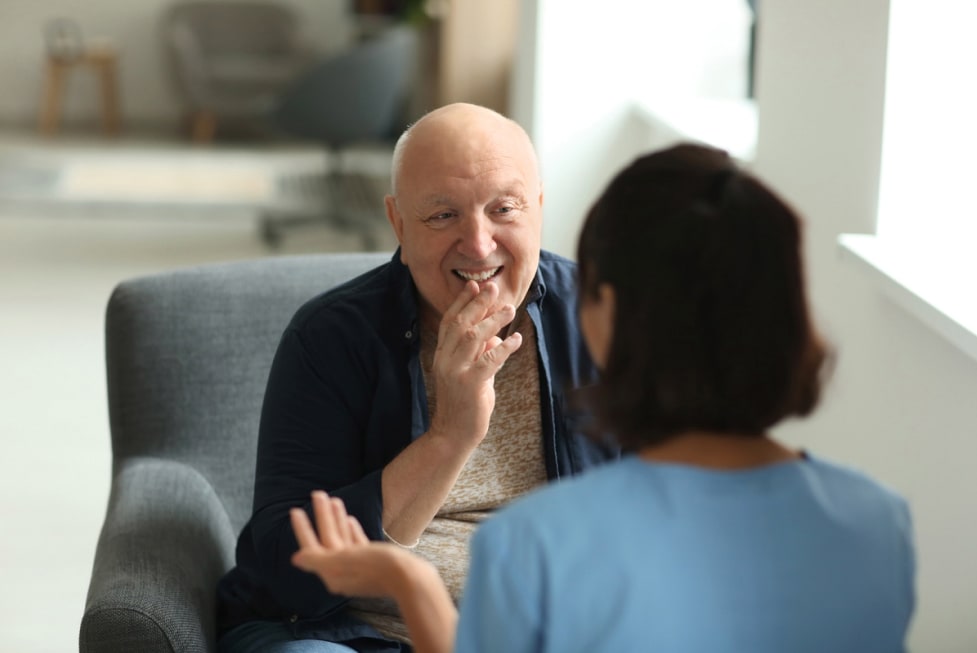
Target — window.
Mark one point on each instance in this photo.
(925, 247)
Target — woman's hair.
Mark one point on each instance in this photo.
(711, 328)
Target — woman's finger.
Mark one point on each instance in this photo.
(356, 531)
(304, 533)
(324, 520)
(341, 520)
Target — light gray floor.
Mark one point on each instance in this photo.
(55, 277)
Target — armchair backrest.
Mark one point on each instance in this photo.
(219, 27)
(187, 359)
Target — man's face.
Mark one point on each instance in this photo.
(468, 207)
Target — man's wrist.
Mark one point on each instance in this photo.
(391, 540)
(454, 440)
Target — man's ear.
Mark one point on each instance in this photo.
(394, 218)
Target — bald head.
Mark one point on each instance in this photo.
(460, 124)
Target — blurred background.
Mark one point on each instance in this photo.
(143, 136)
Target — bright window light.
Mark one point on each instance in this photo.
(929, 152)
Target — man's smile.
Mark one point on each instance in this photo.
(484, 275)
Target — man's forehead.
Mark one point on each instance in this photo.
(488, 167)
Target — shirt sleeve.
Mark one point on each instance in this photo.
(502, 606)
(311, 437)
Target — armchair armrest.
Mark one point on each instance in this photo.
(165, 542)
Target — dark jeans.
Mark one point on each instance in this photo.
(273, 637)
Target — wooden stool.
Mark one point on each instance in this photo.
(103, 59)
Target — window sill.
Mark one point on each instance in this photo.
(932, 284)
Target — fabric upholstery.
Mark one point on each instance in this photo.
(187, 357)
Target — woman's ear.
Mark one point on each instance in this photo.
(608, 304)
(597, 323)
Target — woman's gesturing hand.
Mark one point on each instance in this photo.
(339, 552)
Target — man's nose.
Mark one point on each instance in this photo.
(477, 238)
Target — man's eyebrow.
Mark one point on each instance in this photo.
(437, 200)
(519, 193)
(515, 188)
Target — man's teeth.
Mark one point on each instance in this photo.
(477, 276)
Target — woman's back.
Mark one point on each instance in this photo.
(796, 556)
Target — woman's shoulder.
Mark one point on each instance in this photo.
(850, 477)
(852, 487)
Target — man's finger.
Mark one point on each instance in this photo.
(465, 297)
(472, 305)
(498, 320)
(494, 357)
(483, 301)
(470, 341)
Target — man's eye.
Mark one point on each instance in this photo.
(440, 217)
(507, 211)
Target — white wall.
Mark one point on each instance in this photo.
(582, 64)
(133, 25)
(902, 404)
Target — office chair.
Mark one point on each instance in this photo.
(356, 98)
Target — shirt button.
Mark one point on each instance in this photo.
(293, 618)
(408, 334)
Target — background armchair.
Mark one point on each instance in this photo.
(231, 59)
(187, 358)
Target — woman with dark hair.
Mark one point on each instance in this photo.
(711, 535)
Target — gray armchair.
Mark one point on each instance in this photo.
(187, 357)
(231, 59)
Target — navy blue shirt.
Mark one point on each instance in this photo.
(346, 395)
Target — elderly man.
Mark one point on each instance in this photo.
(425, 393)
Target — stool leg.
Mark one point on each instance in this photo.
(50, 114)
(110, 97)
(204, 126)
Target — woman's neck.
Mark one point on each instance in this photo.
(719, 450)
